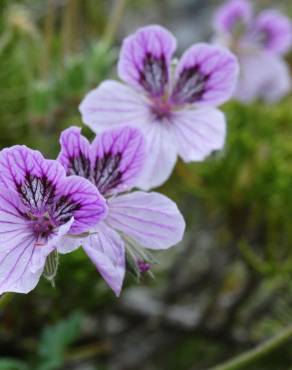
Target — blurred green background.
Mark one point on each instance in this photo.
(228, 285)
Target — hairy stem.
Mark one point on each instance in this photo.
(253, 355)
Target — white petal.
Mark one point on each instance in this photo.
(17, 246)
(161, 150)
(151, 219)
(106, 250)
(199, 132)
(113, 104)
(263, 76)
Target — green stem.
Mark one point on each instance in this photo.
(251, 258)
(114, 21)
(255, 354)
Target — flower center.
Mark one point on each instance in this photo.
(161, 109)
(42, 225)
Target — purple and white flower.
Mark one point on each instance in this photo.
(259, 41)
(39, 205)
(113, 162)
(174, 106)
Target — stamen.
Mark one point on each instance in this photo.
(161, 109)
(42, 226)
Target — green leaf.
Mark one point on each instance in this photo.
(56, 339)
(12, 364)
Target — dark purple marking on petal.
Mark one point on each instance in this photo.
(265, 37)
(46, 212)
(154, 75)
(206, 74)
(79, 166)
(145, 59)
(64, 209)
(117, 158)
(33, 177)
(74, 154)
(36, 192)
(106, 173)
(273, 31)
(190, 86)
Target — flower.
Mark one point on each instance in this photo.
(175, 108)
(113, 162)
(38, 206)
(259, 42)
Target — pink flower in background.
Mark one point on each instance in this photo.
(233, 16)
(113, 163)
(38, 206)
(175, 107)
(259, 42)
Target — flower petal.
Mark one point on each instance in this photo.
(27, 172)
(273, 31)
(74, 154)
(233, 14)
(161, 147)
(69, 243)
(106, 250)
(199, 132)
(79, 198)
(205, 75)
(15, 273)
(151, 219)
(263, 76)
(17, 246)
(117, 158)
(14, 226)
(113, 104)
(145, 59)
